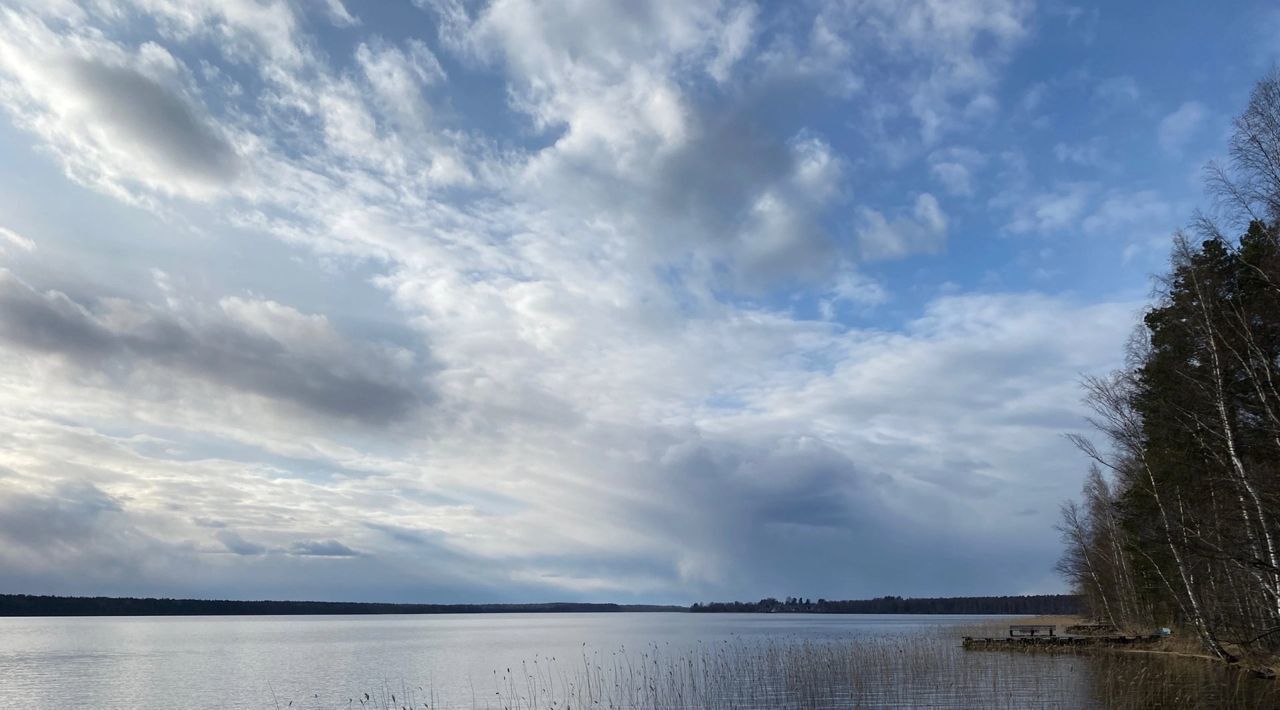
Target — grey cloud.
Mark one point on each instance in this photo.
(69, 515)
(626, 571)
(766, 516)
(50, 322)
(713, 178)
(74, 538)
(77, 539)
(779, 512)
(824, 531)
(730, 190)
(716, 184)
(795, 515)
(408, 536)
(795, 482)
(962, 478)
(351, 382)
(238, 545)
(147, 114)
(248, 362)
(706, 185)
(321, 548)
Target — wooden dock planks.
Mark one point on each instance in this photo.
(1051, 643)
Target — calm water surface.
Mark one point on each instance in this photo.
(446, 661)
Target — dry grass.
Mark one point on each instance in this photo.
(1125, 680)
(887, 672)
(1181, 643)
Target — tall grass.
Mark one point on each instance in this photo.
(893, 672)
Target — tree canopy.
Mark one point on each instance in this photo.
(1179, 516)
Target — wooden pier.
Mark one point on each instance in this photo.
(1053, 643)
(1092, 629)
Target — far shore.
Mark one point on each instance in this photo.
(27, 605)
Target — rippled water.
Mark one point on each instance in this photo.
(497, 660)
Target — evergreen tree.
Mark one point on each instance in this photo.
(1185, 530)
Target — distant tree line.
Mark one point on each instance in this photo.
(31, 605)
(1180, 517)
(1033, 604)
(27, 605)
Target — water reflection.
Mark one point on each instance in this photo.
(565, 660)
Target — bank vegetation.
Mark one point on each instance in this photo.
(1179, 521)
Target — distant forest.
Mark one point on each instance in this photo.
(1180, 517)
(1055, 604)
(27, 605)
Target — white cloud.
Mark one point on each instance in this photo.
(398, 78)
(13, 239)
(1033, 97)
(946, 59)
(117, 117)
(339, 15)
(633, 462)
(954, 167)
(954, 177)
(1144, 210)
(1090, 153)
(1142, 220)
(1180, 126)
(924, 231)
(594, 381)
(1117, 91)
(241, 28)
(1048, 212)
(738, 34)
(852, 288)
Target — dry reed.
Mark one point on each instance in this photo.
(885, 672)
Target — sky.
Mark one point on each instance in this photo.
(654, 301)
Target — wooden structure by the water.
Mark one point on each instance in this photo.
(1051, 643)
(1034, 637)
(1031, 630)
(1091, 629)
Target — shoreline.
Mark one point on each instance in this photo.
(45, 605)
(1264, 670)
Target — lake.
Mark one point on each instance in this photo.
(496, 660)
